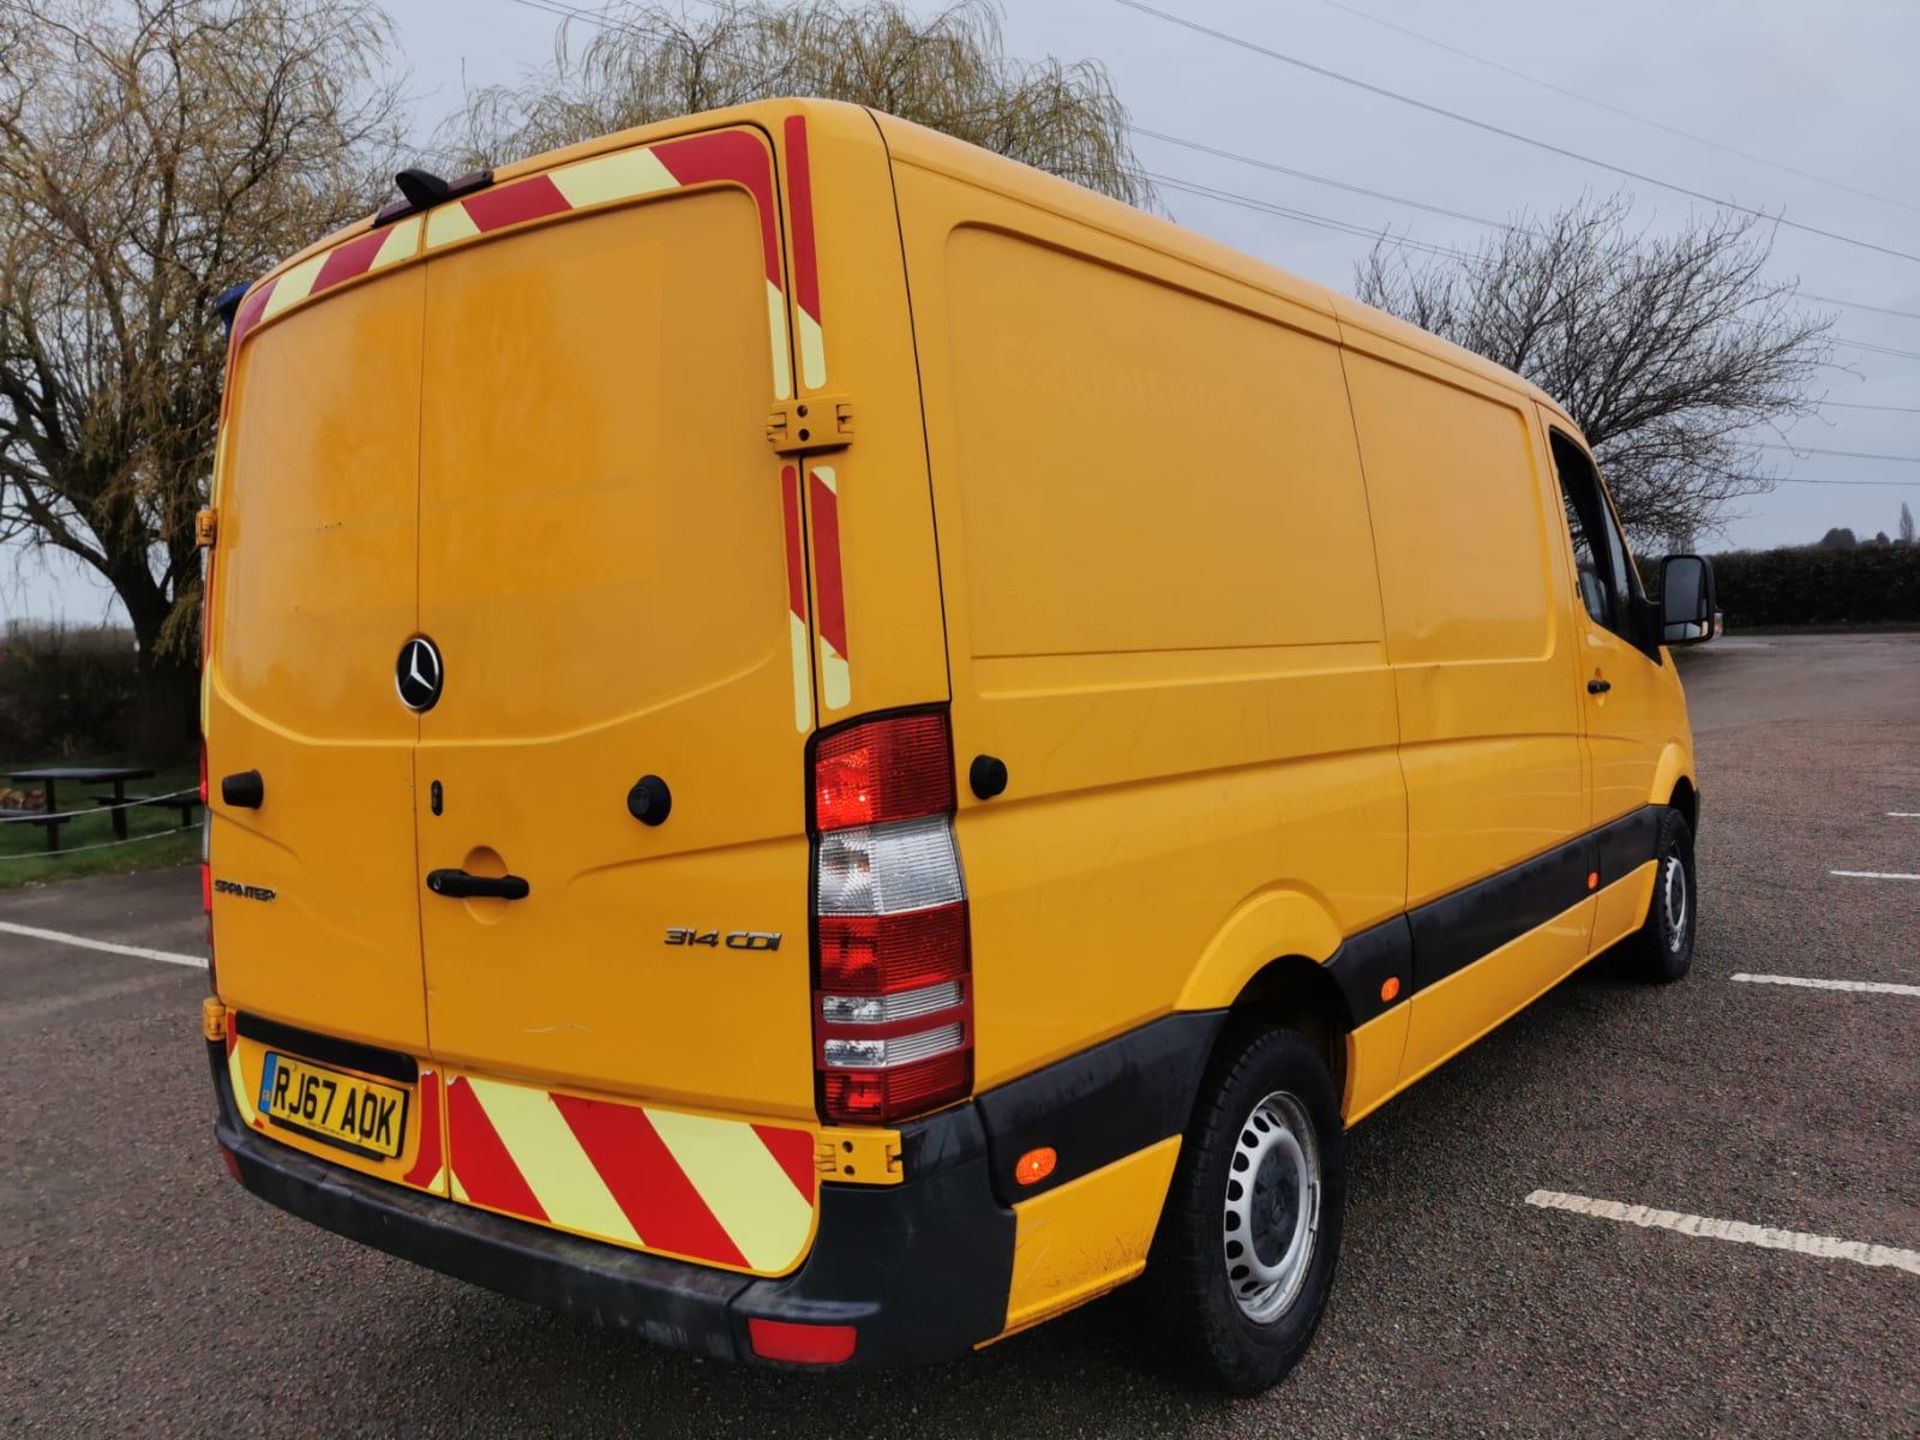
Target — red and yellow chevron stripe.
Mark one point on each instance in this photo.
(698, 1187)
(836, 678)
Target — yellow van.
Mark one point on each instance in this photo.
(825, 747)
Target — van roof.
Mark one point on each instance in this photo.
(932, 150)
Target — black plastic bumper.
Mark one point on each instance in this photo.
(920, 1269)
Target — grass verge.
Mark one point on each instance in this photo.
(154, 837)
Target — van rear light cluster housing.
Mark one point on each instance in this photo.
(892, 953)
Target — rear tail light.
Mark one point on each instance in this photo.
(893, 985)
(801, 1344)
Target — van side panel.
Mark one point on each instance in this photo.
(1477, 628)
(1161, 610)
(1482, 644)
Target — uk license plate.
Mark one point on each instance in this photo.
(365, 1116)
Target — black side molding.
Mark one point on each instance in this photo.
(1367, 961)
(1100, 1105)
(1454, 931)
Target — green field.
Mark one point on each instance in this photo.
(154, 835)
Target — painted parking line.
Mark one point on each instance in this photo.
(1821, 1247)
(1873, 875)
(1864, 987)
(107, 947)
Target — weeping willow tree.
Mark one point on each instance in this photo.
(152, 153)
(634, 63)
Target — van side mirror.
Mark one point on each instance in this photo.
(1689, 604)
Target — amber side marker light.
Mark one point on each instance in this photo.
(1389, 988)
(799, 1344)
(1593, 880)
(1034, 1166)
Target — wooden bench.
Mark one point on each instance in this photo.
(51, 823)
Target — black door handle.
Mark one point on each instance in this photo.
(1599, 687)
(459, 885)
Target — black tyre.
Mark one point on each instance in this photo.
(1243, 1260)
(1661, 950)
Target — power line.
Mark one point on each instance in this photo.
(1878, 349)
(1862, 305)
(1279, 169)
(1511, 228)
(1308, 217)
(1488, 126)
(1185, 186)
(1843, 454)
(1790, 480)
(1857, 405)
(1613, 109)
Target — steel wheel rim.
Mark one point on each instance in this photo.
(1673, 901)
(1271, 1217)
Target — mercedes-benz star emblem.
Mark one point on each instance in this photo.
(418, 674)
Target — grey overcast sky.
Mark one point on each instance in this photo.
(1828, 90)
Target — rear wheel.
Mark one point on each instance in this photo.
(1662, 949)
(1244, 1258)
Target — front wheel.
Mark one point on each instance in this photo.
(1662, 949)
(1244, 1257)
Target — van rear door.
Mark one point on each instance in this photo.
(605, 543)
(316, 907)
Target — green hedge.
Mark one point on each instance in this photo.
(65, 691)
(1869, 585)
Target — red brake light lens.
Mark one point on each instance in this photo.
(896, 768)
(880, 954)
(874, 1097)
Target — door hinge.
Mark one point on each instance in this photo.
(859, 1157)
(819, 422)
(206, 526)
(213, 1020)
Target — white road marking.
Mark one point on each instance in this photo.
(1823, 1247)
(1868, 987)
(60, 937)
(1903, 814)
(1873, 875)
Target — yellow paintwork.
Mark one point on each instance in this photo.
(1621, 906)
(1265, 599)
(1087, 1236)
(1374, 1053)
(1450, 1015)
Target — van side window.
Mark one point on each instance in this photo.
(1599, 552)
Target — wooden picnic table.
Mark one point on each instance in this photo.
(48, 777)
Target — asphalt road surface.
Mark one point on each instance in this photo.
(142, 1292)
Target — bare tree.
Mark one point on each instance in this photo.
(644, 62)
(1669, 348)
(152, 153)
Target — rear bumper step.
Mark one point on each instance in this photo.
(921, 1269)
